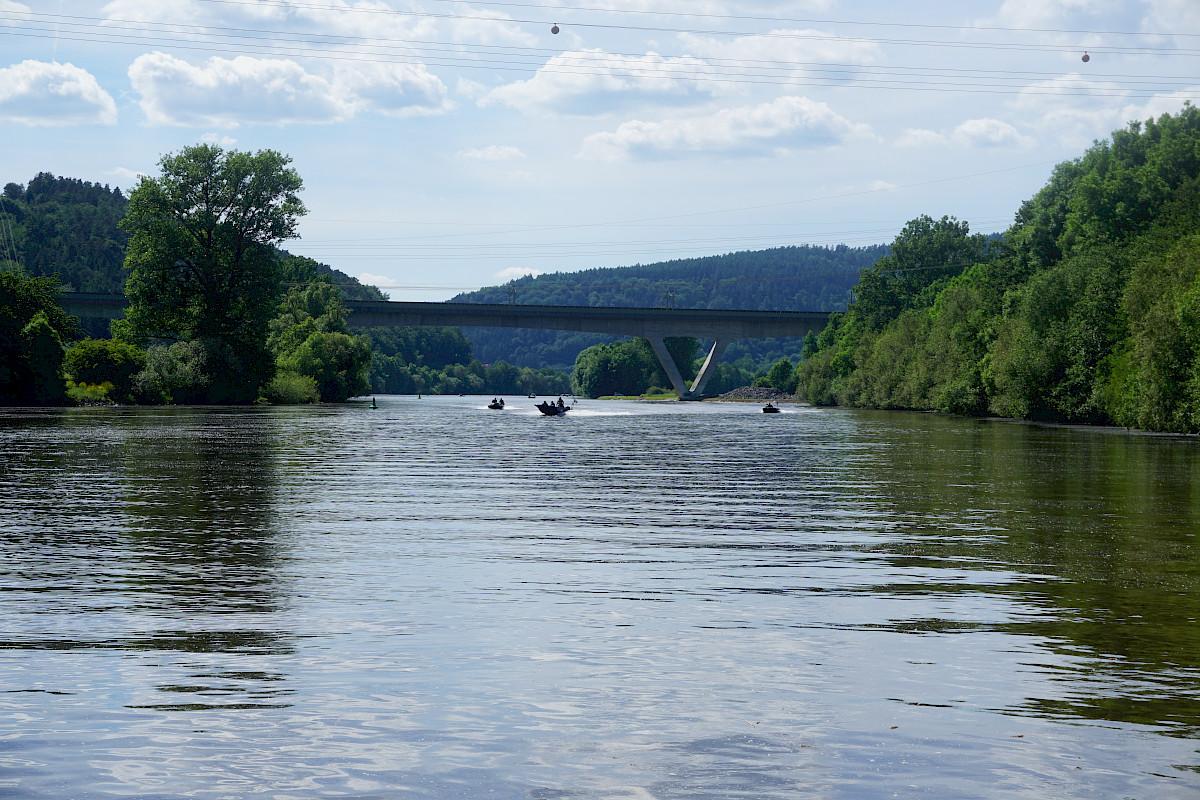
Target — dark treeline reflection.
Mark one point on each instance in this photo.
(198, 501)
(163, 511)
(1091, 534)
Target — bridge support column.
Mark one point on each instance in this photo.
(710, 364)
(709, 367)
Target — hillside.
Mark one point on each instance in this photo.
(70, 228)
(1086, 310)
(799, 278)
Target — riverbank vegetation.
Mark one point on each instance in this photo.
(1086, 310)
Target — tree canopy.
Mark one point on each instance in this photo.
(202, 261)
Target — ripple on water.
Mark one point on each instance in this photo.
(433, 600)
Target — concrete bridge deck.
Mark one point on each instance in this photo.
(655, 324)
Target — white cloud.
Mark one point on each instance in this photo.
(920, 137)
(380, 282)
(1156, 106)
(592, 82)
(973, 133)
(512, 273)
(785, 123)
(494, 152)
(481, 26)
(230, 92)
(1172, 16)
(788, 53)
(1071, 109)
(395, 90)
(125, 176)
(989, 132)
(1043, 13)
(225, 142)
(43, 93)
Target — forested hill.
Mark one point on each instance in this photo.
(65, 226)
(799, 278)
(1086, 310)
(70, 228)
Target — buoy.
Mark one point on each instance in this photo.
(554, 28)
(1086, 58)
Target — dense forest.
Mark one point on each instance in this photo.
(1086, 310)
(66, 227)
(799, 278)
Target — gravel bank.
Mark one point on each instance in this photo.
(755, 393)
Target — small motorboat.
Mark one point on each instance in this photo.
(552, 409)
(770, 409)
(496, 404)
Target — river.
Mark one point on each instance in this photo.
(637, 600)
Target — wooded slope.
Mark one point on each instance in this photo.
(1086, 310)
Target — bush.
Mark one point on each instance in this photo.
(98, 361)
(87, 394)
(291, 388)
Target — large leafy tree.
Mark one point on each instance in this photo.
(202, 262)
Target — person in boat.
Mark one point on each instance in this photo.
(502, 402)
(561, 404)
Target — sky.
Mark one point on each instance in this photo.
(447, 145)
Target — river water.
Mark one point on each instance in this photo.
(434, 600)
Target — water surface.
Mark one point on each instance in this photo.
(435, 600)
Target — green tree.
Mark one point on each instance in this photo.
(33, 329)
(201, 259)
(782, 376)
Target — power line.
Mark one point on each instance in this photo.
(101, 25)
(288, 4)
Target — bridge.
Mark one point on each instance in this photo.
(655, 324)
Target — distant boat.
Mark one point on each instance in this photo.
(532, 395)
(552, 409)
(770, 409)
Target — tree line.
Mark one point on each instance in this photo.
(1086, 310)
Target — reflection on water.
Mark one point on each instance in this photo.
(431, 599)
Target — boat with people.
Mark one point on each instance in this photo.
(553, 409)
(770, 409)
(496, 403)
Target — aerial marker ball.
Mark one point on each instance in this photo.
(554, 29)
(1086, 58)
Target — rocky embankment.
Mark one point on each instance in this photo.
(755, 393)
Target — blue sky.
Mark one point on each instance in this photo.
(449, 145)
